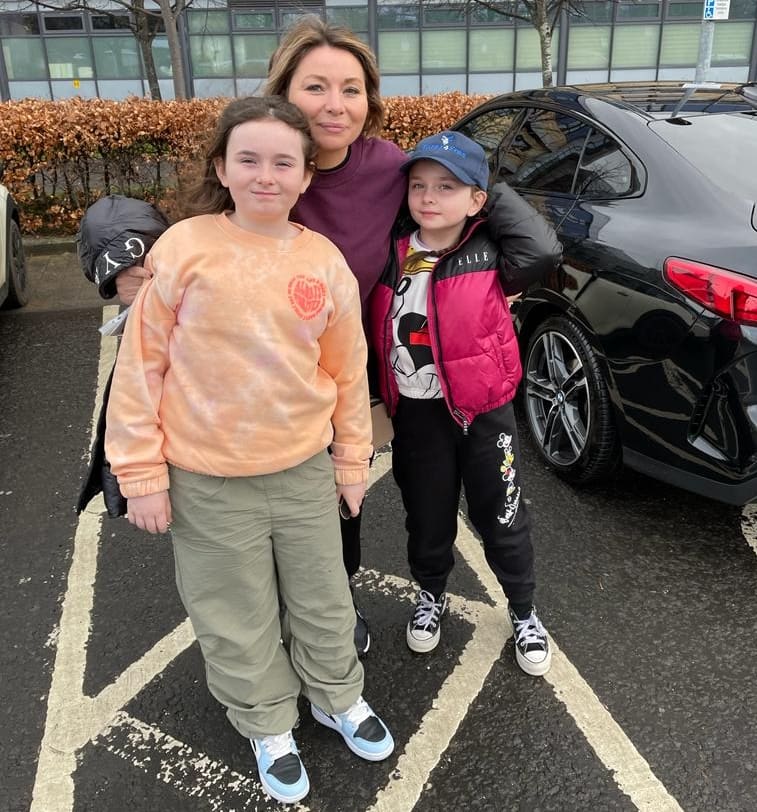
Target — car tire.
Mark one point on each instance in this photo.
(567, 403)
(18, 293)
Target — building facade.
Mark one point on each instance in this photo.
(423, 47)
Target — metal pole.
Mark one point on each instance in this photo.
(706, 34)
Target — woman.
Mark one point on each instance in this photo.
(332, 76)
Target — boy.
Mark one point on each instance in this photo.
(449, 369)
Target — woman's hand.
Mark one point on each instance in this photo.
(350, 498)
(151, 512)
(129, 281)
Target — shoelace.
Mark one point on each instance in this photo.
(278, 746)
(358, 713)
(529, 630)
(427, 610)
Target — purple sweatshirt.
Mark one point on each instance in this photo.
(355, 206)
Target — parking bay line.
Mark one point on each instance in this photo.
(73, 719)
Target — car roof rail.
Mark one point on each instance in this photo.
(671, 96)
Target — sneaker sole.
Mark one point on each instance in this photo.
(534, 669)
(327, 721)
(421, 646)
(284, 799)
(363, 652)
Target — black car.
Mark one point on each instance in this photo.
(642, 346)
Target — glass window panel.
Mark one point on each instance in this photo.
(482, 15)
(398, 51)
(492, 50)
(589, 47)
(162, 58)
(600, 12)
(257, 19)
(209, 88)
(116, 57)
(680, 44)
(732, 43)
(208, 22)
(24, 59)
(397, 16)
(68, 90)
(443, 50)
(119, 89)
(490, 129)
(25, 90)
(18, 24)
(211, 56)
(290, 15)
(677, 10)
(528, 49)
(60, 23)
(110, 22)
(637, 11)
(635, 46)
(444, 16)
(69, 58)
(252, 52)
(743, 10)
(544, 154)
(355, 17)
(605, 172)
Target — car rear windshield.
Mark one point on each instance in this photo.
(717, 145)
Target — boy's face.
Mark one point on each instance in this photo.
(440, 203)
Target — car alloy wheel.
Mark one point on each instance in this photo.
(567, 403)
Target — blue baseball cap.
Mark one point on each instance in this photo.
(463, 157)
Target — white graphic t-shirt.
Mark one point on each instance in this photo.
(411, 358)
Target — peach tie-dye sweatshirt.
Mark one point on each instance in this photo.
(244, 355)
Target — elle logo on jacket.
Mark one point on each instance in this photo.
(473, 259)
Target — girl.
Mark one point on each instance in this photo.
(353, 197)
(242, 360)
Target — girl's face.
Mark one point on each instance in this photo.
(264, 171)
(329, 87)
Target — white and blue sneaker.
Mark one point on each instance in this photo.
(363, 732)
(281, 772)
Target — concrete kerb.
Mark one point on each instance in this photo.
(42, 246)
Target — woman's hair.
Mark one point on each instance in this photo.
(208, 195)
(311, 32)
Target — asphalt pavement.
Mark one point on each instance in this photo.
(648, 593)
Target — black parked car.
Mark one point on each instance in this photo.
(642, 347)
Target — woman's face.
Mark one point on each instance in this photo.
(329, 87)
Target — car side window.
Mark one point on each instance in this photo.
(545, 152)
(604, 172)
(491, 129)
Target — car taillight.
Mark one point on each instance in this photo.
(725, 293)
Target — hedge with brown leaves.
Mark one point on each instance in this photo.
(57, 158)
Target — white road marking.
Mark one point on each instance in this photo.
(175, 763)
(53, 787)
(749, 524)
(74, 719)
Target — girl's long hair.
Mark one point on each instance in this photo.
(207, 195)
(311, 32)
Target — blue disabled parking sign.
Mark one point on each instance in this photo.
(716, 9)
